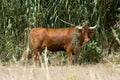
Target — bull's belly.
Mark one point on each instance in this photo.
(55, 48)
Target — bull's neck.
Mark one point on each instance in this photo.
(80, 38)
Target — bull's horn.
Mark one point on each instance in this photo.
(79, 27)
(93, 27)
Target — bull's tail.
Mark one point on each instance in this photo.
(26, 52)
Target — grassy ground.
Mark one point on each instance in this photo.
(81, 72)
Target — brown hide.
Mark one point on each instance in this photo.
(56, 40)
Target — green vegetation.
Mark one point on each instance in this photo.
(90, 53)
(17, 17)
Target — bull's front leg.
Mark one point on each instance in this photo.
(76, 55)
(69, 54)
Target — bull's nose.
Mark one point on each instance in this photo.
(87, 40)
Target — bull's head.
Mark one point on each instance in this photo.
(85, 32)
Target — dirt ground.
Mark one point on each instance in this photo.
(81, 72)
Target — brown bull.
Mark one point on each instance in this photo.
(57, 39)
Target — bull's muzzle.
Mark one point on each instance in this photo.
(86, 40)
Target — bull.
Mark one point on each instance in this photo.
(59, 39)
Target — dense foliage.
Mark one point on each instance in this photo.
(17, 17)
(90, 53)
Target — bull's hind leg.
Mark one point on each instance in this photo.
(35, 57)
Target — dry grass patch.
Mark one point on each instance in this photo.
(83, 72)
